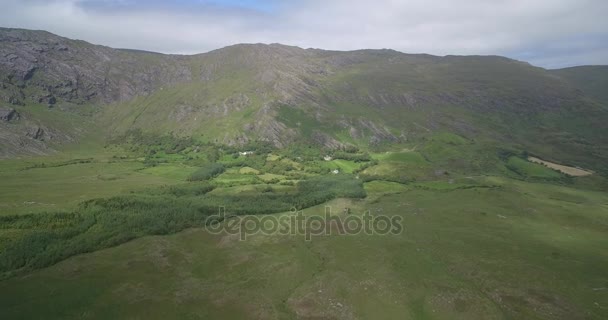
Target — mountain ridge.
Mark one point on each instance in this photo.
(288, 95)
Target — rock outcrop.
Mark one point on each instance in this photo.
(8, 114)
(56, 69)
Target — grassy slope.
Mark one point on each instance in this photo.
(489, 99)
(592, 80)
(520, 251)
(202, 105)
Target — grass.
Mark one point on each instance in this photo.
(402, 166)
(252, 190)
(533, 170)
(345, 166)
(487, 233)
(381, 188)
(64, 187)
(270, 177)
(513, 252)
(248, 170)
(407, 156)
(522, 245)
(170, 171)
(46, 238)
(207, 172)
(235, 178)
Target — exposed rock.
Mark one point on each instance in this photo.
(378, 134)
(81, 73)
(48, 100)
(37, 133)
(354, 133)
(8, 114)
(325, 140)
(441, 172)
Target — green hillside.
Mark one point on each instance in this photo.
(287, 95)
(592, 80)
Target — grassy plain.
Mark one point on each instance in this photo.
(520, 250)
(520, 242)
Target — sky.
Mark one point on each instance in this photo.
(546, 33)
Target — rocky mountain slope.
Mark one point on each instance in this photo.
(61, 88)
(39, 67)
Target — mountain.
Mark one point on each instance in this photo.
(49, 80)
(64, 89)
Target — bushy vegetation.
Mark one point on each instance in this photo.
(153, 143)
(356, 157)
(46, 238)
(191, 189)
(403, 179)
(366, 165)
(51, 237)
(59, 164)
(207, 172)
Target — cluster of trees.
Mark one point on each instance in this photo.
(59, 164)
(356, 157)
(394, 178)
(258, 162)
(190, 189)
(152, 143)
(505, 154)
(366, 165)
(155, 147)
(316, 167)
(95, 225)
(46, 238)
(310, 192)
(207, 172)
(302, 152)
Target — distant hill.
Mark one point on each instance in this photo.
(592, 80)
(65, 89)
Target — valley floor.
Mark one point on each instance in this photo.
(527, 244)
(522, 250)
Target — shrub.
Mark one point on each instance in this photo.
(207, 172)
(352, 156)
(47, 238)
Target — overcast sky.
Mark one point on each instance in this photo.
(547, 33)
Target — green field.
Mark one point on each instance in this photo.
(522, 244)
(519, 251)
(64, 187)
(529, 169)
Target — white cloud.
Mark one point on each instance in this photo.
(530, 29)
